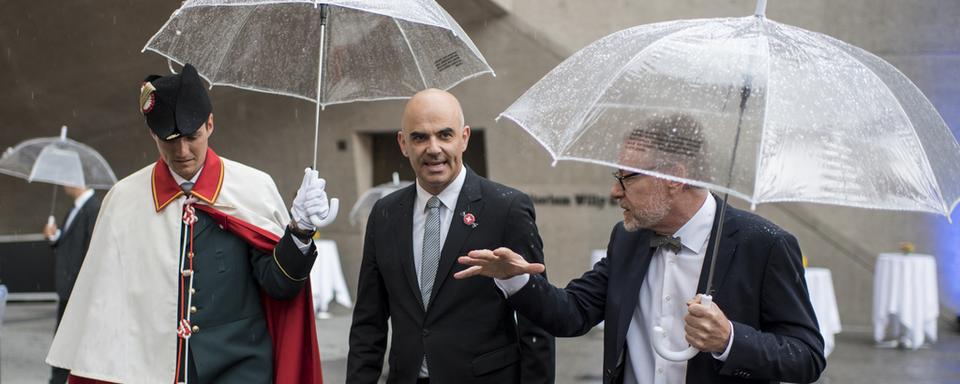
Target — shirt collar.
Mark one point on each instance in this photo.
(696, 231)
(82, 199)
(448, 196)
(208, 181)
(180, 180)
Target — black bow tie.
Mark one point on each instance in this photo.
(671, 243)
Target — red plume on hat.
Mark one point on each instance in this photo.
(175, 105)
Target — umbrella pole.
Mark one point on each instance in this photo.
(334, 202)
(744, 95)
(53, 201)
(707, 298)
(53, 204)
(316, 116)
(716, 246)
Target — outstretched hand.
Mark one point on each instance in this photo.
(501, 263)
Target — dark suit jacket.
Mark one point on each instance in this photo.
(759, 284)
(71, 248)
(468, 333)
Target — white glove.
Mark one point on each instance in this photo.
(310, 207)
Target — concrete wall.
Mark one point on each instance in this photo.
(78, 63)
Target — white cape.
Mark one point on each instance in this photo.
(120, 324)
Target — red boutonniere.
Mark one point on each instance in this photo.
(469, 219)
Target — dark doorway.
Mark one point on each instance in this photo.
(388, 159)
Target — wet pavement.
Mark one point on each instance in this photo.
(28, 330)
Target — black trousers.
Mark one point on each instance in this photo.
(59, 375)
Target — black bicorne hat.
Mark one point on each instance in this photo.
(175, 105)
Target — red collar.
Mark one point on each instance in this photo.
(207, 188)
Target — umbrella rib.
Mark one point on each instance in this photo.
(924, 160)
(763, 114)
(159, 32)
(233, 39)
(416, 62)
(610, 81)
(97, 155)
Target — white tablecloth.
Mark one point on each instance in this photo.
(905, 302)
(824, 300)
(326, 279)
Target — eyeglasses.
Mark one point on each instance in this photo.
(620, 178)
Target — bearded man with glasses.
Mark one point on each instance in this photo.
(760, 327)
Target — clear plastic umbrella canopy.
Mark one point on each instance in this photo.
(372, 50)
(58, 160)
(766, 112)
(366, 201)
(327, 52)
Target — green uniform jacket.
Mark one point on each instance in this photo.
(230, 343)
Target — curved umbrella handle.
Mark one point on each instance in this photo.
(659, 335)
(331, 215)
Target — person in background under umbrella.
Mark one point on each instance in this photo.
(761, 326)
(70, 245)
(194, 273)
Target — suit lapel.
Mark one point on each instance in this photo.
(76, 217)
(469, 201)
(67, 229)
(635, 269)
(403, 225)
(728, 245)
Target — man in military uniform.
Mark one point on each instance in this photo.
(193, 272)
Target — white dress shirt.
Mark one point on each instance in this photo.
(448, 202)
(77, 204)
(671, 280)
(180, 180)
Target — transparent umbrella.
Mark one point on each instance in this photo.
(784, 114)
(58, 160)
(327, 52)
(366, 201)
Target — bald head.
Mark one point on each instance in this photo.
(434, 138)
(432, 103)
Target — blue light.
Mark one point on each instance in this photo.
(948, 260)
(945, 96)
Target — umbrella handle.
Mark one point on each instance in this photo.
(331, 215)
(51, 220)
(659, 337)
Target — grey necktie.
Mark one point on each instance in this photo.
(430, 257)
(671, 243)
(186, 187)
